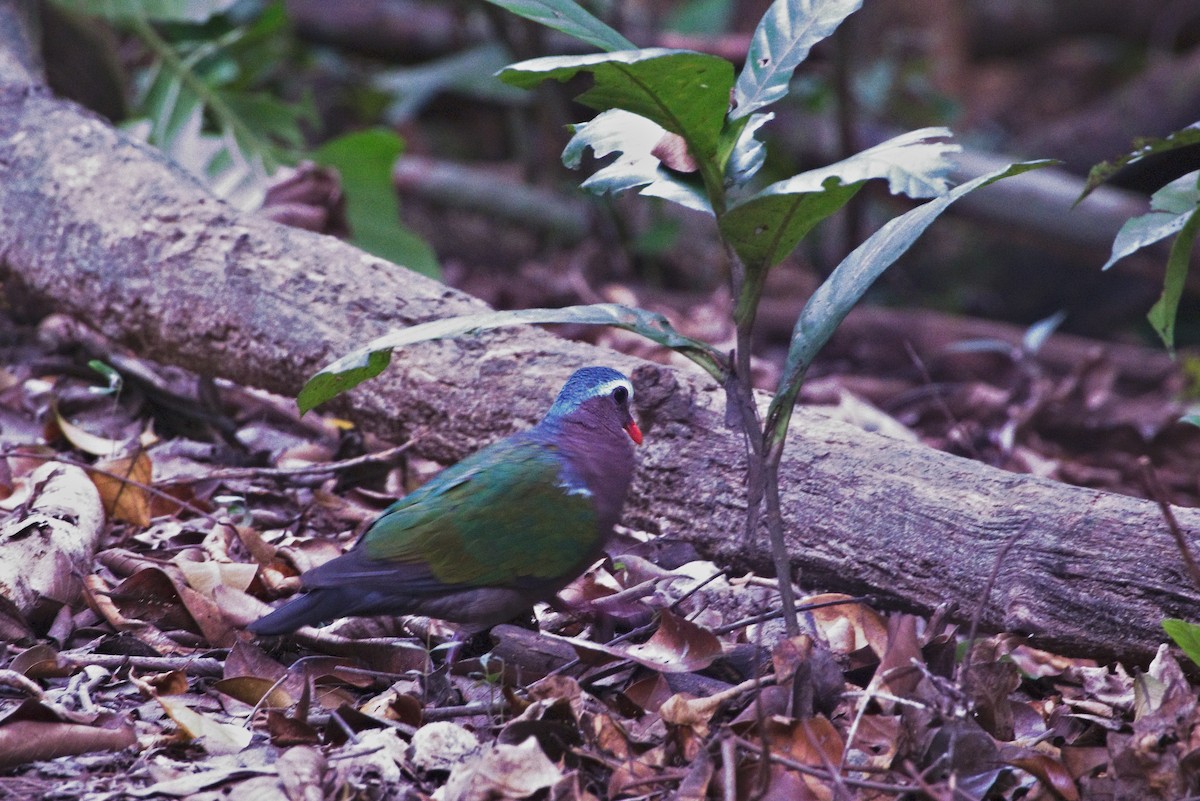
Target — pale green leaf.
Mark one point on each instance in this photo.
(782, 40)
(569, 18)
(1171, 206)
(634, 138)
(764, 228)
(914, 164)
(368, 362)
(834, 298)
(1162, 314)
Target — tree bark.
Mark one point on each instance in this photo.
(109, 231)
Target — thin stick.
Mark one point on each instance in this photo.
(1158, 493)
(233, 473)
(983, 598)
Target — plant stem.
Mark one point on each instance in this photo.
(779, 552)
(762, 458)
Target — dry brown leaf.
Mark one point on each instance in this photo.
(34, 732)
(1051, 773)
(848, 627)
(677, 646)
(205, 577)
(212, 735)
(253, 691)
(126, 498)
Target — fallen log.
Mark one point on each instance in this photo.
(108, 230)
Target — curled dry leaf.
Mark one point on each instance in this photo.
(1051, 773)
(503, 771)
(212, 735)
(847, 627)
(205, 577)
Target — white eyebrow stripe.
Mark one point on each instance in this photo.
(609, 386)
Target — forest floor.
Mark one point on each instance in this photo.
(683, 685)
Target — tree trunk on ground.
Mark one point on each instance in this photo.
(107, 230)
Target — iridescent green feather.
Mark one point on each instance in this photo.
(505, 516)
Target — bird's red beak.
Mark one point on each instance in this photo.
(634, 432)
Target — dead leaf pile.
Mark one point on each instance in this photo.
(130, 675)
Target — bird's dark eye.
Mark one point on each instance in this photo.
(620, 394)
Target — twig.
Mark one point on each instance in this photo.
(234, 473)
(465, 711)
(1158, 493)
(193, 666)
(983, 598)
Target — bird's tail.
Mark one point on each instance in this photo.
(316, 606)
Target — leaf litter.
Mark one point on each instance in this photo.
(668, 680)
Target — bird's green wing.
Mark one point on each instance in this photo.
(509, 515)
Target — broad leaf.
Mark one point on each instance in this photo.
(764, 228)
(1171, 207)
(782, 40)
(365, 160)
(634, 137)
(834, 298)
(914, 164)
(368, 362)
(1142, 148)
(1162, 314)
(567, 16)
(1186, 635)
(685, 92)
(158, 10)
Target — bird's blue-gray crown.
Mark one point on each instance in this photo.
(586, 383)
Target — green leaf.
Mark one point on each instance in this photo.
(1186, 636)
(685, 92)
(764, 228)
(1171, 206)
(1162, 314)
(158, 10)
(634, 137)
(569, 18)
(834, 298)
(1142, 148)
(365, 160)
(782, 40)
(368, 362)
